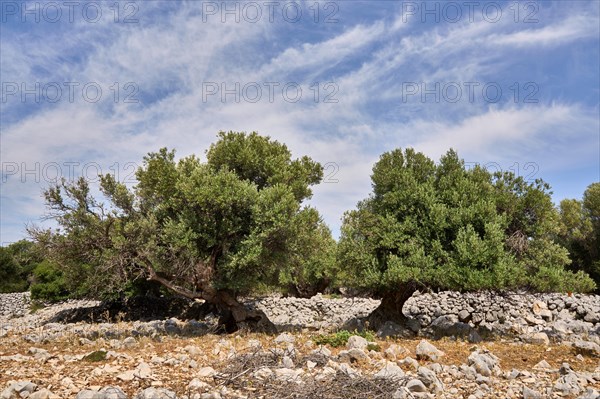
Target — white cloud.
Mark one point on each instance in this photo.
(571, 28)
(556, 136)
(326, 54)
(179, 52)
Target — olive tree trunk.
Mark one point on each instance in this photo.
(391, 305)
(233, 314)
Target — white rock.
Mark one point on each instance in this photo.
(357, 342)
(348, 370)
(325, 373)
(324, 351)
(112, 393)
(43, 394)
(129, 343)
(143, 371)
(538, 338)
(410, 362)
(426, 351)
(587, 348)
(353, 355)
(542, 365)
(156, 393)
(394, 352)
(415, 385)
(197, 385)
(390, 371)
(531, 394)
(538, 306)
(263, 373)
(290, 375)
(206, 372)
(193, 350)
(126, 376)
(287, 362)
(21, 388)
(430, 379)
(285, 337)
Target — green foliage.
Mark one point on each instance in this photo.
(443, 226)
(16, 264)
(35, 306)
(265, 163)
(311, 257)
(96, 356)
(144, 287)
(48, 283)
(373, 347)
(580, 231)
(234, 223)
(9, 281)
(341, 338)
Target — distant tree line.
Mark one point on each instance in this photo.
(237, 224)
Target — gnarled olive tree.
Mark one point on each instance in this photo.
(444, 226)
(211, 230)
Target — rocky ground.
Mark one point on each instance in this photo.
(43, 357)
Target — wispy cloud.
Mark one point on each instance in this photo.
(172, 53)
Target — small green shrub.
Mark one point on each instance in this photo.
(341, 338)
(48, 283)
(35, 306)
(96, 356)
(373, 347)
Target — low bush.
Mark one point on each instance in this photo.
(48, 283)
(341, 338)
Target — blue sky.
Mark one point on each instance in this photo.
(512, 85)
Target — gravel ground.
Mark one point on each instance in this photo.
(177, 358)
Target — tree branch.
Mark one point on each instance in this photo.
(175, 288)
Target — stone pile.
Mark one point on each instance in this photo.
(316, 313)
(534, 318)
(14, 304)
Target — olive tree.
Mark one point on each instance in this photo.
(444, 226)
(205, 230)
(580, 231)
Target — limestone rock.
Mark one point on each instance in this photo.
(427, 351)
(430, 379)
(357, 342)
(352, 355)
(529, 393)
(17, 390)
(394, 352)
(143, 371)
(390, 371)
(538, 338)
(44, 394)
(206, 372)
(415, 385)
(155, 393)
(484, 362)
(542, 365)
(587, 348)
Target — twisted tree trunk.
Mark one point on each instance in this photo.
(391, 305)
(233, 314)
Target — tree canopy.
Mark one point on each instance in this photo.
(211, 230)
(237, 224)
(444, 226)
(580, 231)
(17, 263)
